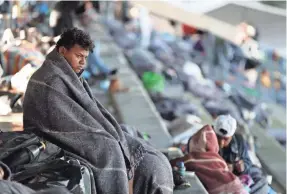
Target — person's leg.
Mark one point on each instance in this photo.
(260, 182)
(108, 9)
(95, 63)
(96, 6)
(145, 27)
(152, 170)
(153, 174)
(96, 66)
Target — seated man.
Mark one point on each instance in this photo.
(204, 160)
(234, 151)
(60, 107)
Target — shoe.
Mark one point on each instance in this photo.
(103, 76)
(113, 72)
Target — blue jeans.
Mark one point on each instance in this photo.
(95, 64)
(271, 191)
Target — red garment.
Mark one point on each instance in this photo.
(208, 165)
(188, 30)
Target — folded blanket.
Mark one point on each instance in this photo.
(17, 57)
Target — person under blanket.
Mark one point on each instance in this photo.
(211, 169)
(59, 106)
(234, 151)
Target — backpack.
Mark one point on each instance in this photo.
(50, 168)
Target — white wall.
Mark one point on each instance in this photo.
(272, 27)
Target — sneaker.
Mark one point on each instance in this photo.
(113, 72)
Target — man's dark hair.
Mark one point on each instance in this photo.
(201, 32)
(172, 23)
(73, 36)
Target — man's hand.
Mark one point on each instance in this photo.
(230, 167)
(239, 166)
(1, 173)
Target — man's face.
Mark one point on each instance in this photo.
(76, 57)
(223, 141)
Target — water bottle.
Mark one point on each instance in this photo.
(181, 168)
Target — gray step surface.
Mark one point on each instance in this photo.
(135, 107)
(272, 157)
(196, 185)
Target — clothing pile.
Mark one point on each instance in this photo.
(171, 109)
(162, 51)
(18, 64)
(16, 57)
(143, 61)
(17, 71)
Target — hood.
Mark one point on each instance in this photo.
(204, 140)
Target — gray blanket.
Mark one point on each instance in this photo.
(60, 107)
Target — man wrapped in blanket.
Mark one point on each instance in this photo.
(60, 107)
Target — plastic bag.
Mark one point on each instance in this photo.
(153, 82)
(5, 106)
(20, 80)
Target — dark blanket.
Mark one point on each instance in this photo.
(59, 107)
